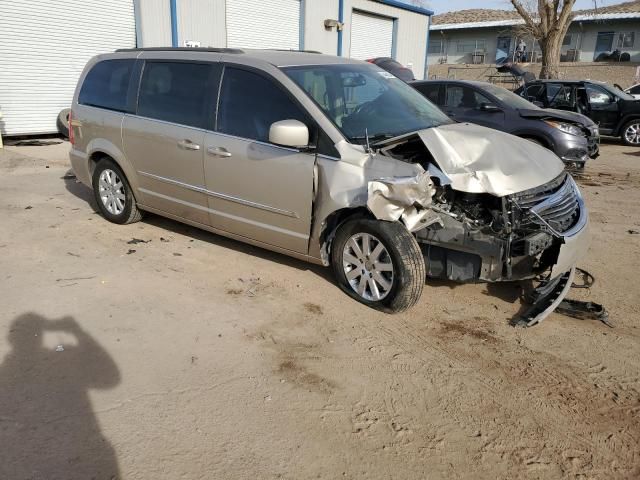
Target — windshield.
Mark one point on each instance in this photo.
(364, 100)
(510, 99)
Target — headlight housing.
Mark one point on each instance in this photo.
(566, 127)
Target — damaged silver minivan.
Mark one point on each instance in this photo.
(329, 160)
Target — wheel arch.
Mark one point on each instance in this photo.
(332, 223)
(621, 124)
(100, 148)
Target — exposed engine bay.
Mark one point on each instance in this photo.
(469, 236)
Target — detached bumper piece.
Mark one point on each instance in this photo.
(584, 311)
(546, 298)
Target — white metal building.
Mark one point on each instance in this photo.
(45, 44)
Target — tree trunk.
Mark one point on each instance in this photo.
(551, 55)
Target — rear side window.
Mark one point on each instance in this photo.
(106, 85)
(178, 92)
(250, 103)
(431, 91)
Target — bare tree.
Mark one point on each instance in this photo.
(547, 21)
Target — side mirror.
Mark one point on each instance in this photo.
(489, 107)
(538, 104)
(289, 133)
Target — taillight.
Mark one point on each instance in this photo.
(71, 137)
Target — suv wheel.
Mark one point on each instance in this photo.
(113, 193)
(631, 133)
(379, 264)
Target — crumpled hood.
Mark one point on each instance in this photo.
(556, 114)
(482, 160)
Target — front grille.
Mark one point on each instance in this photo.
(555, 204)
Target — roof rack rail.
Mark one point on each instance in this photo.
(293, 50)
(181, 49)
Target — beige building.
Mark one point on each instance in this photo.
(41, 64)
(483, 36)
(352, 28)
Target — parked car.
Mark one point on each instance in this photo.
(571, 136)
(617, 113)
(634, 91)
(394, 67)
(326, 159)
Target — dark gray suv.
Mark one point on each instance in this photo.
(571, 136)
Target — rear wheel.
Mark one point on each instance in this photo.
(379, 264)
(113, 193)
(631, 133)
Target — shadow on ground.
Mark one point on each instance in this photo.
(48, 430)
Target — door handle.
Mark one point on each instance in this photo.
(219, 152)
(188, 145)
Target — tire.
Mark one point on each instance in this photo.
(631, 133)
(63, 122)
(398, 288)
(113, 193)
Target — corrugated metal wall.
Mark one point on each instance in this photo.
(44, 45)
(260, 24)
(154, 23)
(202, 21)
(371, 36)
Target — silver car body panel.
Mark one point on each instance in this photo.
(482, 160)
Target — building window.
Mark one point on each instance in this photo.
(470, 46)
(435, 46)
(626, 40)
(568, 40)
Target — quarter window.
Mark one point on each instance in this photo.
(106, 85)
(178, 92)
(250, 103)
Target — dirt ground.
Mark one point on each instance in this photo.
(189, 356)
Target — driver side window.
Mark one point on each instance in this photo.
(249, 103)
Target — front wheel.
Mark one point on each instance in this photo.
(379, 264)
(631, 133)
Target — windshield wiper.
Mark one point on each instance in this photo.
(374, 138)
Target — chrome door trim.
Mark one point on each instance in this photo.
(223, 196)
(223, 214)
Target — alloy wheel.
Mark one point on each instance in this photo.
(367, 266)
(111, 190)
(632, 133)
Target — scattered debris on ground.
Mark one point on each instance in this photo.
(135, 241)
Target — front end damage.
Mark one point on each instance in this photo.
(480, 218)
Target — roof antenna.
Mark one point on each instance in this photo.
(366, 136)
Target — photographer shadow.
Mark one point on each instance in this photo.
(48, 429)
